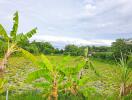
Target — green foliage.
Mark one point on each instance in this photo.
(3, 33)
(121, 46)
(100, 49)
(27, 95)
(74, 50)
(125, 68)
(31, 33)
(2, 83)
(107, 88)
(124, 75)
(30, 57)
(14, 37)
(128, 97)
(32, 48)
(12, 43)
(24, 37)
(38, 74)
(71, 50)
(87, 92)
(13, 33)
(39, 47)
(70, 96)
(72, 79)
(108, 56)
(86, 52)
(66, 76)
(3, 47)
(89, 63)
(47, 63)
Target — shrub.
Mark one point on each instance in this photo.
(104, 56)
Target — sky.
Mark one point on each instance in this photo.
(62, 22)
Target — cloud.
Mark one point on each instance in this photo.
(89, 9)
(71, 40)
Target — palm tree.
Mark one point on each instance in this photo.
(13, 39)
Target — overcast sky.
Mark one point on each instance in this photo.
(81, 22)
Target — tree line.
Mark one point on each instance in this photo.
(101, 52)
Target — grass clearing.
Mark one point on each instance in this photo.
(107, 84)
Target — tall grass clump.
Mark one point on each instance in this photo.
(126, 70)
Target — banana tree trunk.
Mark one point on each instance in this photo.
(125, 90)
(74, 88)
(128, 89)
(122, 89)
(10, 50)
(4, 60)
(54, 95)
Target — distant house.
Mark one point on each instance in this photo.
(90, 54)
(129, 41)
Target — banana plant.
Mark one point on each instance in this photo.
(46, 70)
(76, 77)
(57, 78)
(13, 39)
(126, 70)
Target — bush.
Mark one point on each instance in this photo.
(104, 56)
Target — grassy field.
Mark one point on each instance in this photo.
(104, 87)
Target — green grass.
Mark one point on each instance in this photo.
(107, 84)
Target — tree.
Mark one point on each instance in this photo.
(81, 51)
(44, 47)
(13, 40)
(56, 51)
(71, 50)
(32, 48)
(121, 46)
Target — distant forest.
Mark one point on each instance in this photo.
(101, 52)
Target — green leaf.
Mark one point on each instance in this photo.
(129, 62)
(47, 62)
(3, 33)
(23, 37)
(38, 74)
(30, 56)
(2, 83)
(92, 68)
(68, 84)
(1, 43)
(31, 33)
(84, 80)
(20, 38)
(15, 25)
